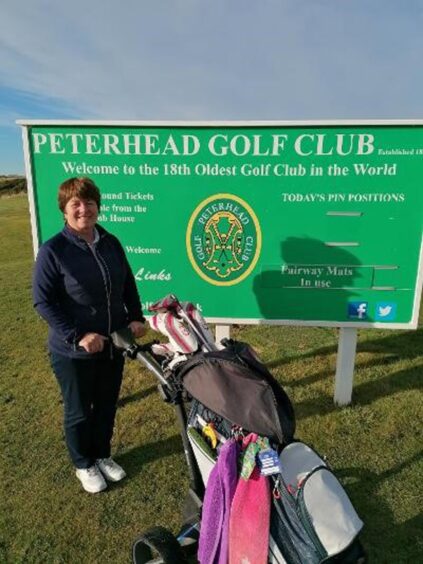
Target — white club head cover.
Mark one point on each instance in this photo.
(199, 321)
(181, 339)
(163, 349)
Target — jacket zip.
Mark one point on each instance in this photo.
(108, 288)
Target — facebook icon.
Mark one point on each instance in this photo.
(357, 310)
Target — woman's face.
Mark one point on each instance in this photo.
(81, 215)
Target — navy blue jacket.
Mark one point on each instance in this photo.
(79, 290)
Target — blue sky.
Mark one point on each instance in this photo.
(206, 60)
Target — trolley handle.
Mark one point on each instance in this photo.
(124, 340)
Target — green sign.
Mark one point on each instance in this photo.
(278, 223)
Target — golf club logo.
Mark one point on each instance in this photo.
(223, 239)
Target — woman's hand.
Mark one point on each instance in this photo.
(138, 329)
(92, 342)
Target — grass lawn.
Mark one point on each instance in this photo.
(375, 446)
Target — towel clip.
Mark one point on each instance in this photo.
(276, 490)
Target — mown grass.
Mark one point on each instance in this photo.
(375, 445)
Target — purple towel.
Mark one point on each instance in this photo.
(221, 486)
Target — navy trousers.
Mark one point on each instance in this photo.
(90, 390)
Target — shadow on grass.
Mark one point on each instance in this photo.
(134, 460)
(363, 394)
(323, 351)
(138, 396)
(384, 535)
(313, 378)
(408, 344)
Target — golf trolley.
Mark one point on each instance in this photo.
(234, 400)
(158, 544)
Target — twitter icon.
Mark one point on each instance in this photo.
(386, 311)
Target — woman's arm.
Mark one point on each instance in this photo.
(47, 281)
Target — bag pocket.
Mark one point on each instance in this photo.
(287, 528)
(204, 455)
(199, 412)
(314, 516)
(327, 512)
(297, 460)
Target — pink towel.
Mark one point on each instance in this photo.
(221, 485)
(250, 520)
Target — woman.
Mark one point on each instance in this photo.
(84, 288)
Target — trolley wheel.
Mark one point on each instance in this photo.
(157, 546)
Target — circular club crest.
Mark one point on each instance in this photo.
(223, 239)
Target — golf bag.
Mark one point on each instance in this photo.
(232, 397)
(312, 519)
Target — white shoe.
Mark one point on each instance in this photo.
(110, 469)
(91, 479)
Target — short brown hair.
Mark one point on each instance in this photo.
(81, 187)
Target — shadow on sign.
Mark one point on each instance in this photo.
(313, 282)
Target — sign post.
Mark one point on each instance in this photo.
(222, 332)
(295, 223)
(345, 360)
